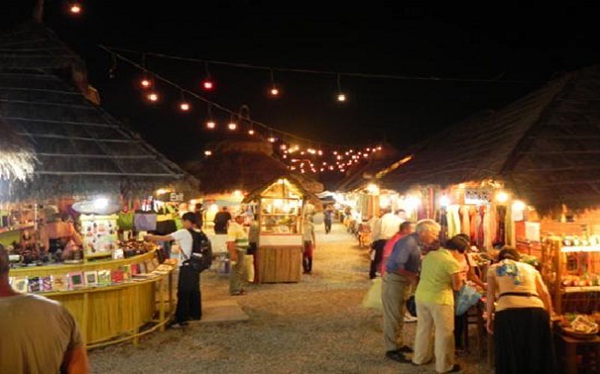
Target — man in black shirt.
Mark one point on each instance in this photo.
(221, 219)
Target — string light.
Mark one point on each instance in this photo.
(341, 97)
(314, 156)
(75, 8)
(184, 105)
(207, 83)
(210, 123)
(273, 89)
(232, 125)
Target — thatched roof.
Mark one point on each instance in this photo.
(81, 149)
(544, 147)
(245, 165)
(17, 159)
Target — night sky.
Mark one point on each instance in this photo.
(481, 58)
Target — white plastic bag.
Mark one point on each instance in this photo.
(372, 298)
(467, 297)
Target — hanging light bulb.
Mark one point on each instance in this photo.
(146, 83)
(75, 8)
(207, 153)
(153, 97)
(273, 88)
(210, 124)
(341, 97)
(232, 124)
(184, 106)
(207, 83)
(251, 131)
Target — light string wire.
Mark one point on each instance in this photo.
(232, 113)
(496, 79)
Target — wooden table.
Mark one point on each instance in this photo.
(577, 355)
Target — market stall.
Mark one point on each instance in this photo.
(280, 208)
(67, 169)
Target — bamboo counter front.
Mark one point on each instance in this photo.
(279, 258)
(120, 311)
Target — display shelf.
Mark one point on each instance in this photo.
(563, 267)
(581, 248)
(571, 289)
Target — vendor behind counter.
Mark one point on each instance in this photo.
(59, 237)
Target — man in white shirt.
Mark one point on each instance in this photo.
(189, 297)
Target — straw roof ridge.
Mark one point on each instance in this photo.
(80, 147)
(545, 146)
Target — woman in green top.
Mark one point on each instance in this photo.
(440, 275)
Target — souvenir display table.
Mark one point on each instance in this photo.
(112, 300)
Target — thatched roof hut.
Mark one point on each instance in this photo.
(545, 147)
(81, 149)
(245, 165)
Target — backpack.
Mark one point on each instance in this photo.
(202, 255)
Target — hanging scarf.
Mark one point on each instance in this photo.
(511, 269)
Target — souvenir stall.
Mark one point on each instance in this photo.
(117, 290)
(279, 210)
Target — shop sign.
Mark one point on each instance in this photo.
(176, 197)
(477, 196)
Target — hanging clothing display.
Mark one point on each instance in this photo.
(465, 220)
(453, 220)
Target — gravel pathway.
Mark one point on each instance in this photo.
(315, 326)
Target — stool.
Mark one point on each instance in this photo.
(577, 356)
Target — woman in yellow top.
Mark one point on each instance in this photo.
(519, 309)
(440, 276)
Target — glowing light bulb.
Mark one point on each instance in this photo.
(184, 106)
(208, 85)
(251, 132)
(232, 126)
(207, 153)
(341, 97)
(274, 91)
(75, 8)
(146, 83)
(153, 96)
(211, 124)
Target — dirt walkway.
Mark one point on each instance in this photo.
(315, 326)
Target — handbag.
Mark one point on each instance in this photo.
(467, 297)
(411, 305)
(372, 299)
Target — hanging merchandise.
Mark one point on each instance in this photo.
(165, 223)
(99, 234)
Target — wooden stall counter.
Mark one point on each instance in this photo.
(112, 300)
(279, 258)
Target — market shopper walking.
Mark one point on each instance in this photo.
(328, 218)
(189, 296)
(519, 317)
(37, 335)
(237, 245)
(309, 242)
(253, 234)
(402, 271)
